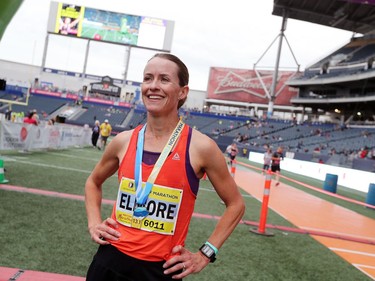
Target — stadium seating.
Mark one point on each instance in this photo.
(137, 117)
(94, 112)
(347, 60)
(329, 143)
(39, 103)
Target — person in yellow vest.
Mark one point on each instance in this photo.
(105, 132)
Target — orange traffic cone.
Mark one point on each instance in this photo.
(233, 168)
(264, 210)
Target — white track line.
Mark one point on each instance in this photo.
(49, 166)
(352, 252)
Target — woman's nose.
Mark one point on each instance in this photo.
(154, 84)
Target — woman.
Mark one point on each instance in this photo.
(267, 158)
(32, 118)
(95, 134)
(233, 151)
(144, 239)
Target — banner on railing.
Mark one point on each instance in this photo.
(19, 136)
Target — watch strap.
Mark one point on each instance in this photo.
(212, 246)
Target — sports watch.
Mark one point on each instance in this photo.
(208, 251)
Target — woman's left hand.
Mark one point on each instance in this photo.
(186, 261)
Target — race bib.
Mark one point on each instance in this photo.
(163, 205)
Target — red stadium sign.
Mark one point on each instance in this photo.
(252, 86)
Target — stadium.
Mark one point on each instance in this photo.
(323, 117)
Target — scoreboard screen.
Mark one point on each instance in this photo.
(100, 25)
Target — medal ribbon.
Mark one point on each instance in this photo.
(142, 193)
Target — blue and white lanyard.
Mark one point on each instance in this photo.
(141, 194)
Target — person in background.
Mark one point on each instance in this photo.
(159, 166)
(105, 132)
(31, 118)
(267, 158)
(95, 134)
(51, 122)
(8, 114)
(275, 165)
(228, 151)
(233, 151)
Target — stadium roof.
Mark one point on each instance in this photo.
(352, 15)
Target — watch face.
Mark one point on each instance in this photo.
(207, 251)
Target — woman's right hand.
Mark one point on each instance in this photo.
(104, 231)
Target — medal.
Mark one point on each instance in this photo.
(140, 212)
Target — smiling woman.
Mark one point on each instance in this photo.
(165, 78)
(159, 166)
(7, 9)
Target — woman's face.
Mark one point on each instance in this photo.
(160, 88)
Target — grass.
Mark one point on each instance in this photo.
(49, 234)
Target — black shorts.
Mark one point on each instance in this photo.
(109, 264)
(275, 168)
(266, 167)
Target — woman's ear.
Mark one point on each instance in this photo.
(183, 93)
(182, 96)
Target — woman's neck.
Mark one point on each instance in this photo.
(158, 132)
(161, 127)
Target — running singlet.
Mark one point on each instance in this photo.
(277, 155)
(170, 203)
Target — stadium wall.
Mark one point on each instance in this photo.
(25, 137)
(350, 178)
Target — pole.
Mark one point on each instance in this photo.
(264, 210)
(127, 58)
(86, 58)
(44, 53)
(276, 71)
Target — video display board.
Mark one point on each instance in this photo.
(107, 26)
(69, 19)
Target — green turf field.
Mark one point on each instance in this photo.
(49, 234)
(111, 35)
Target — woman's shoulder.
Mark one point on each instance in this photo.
(119, 144)
(123, 137)
(202, 142)
(200, 137)
(125, 134)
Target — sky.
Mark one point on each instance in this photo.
(209, 33)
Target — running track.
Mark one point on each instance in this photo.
(346, 233)
(311, 213)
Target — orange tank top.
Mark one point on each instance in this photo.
(170, 203)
